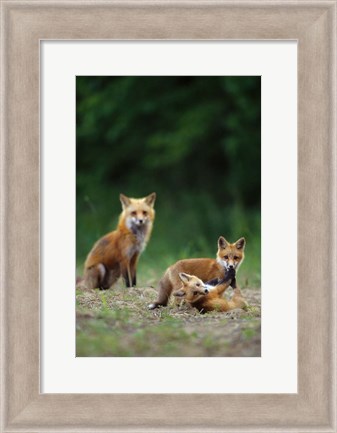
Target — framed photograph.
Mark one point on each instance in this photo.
(173, 119)
(205, 131)
(192, 219)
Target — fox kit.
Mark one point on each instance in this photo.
(198, 295)
(229, 257)
(116, 254)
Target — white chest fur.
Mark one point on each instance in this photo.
(139, 242)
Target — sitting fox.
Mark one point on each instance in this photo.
(229, 256)
(205, 297)
(116, 254)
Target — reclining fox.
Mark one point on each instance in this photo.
(205, 297)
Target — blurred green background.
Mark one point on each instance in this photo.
(195, 141)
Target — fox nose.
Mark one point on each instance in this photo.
(231, 266)
(206, 291)
(140, 221)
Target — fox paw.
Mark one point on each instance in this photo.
(230, 274)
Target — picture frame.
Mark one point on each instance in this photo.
(24, 25)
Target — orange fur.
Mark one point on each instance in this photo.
(229, 256)
(116, 254)
(197, 294)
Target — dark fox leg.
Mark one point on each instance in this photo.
(133, 269)
(127, 279)
(111, 276)
(228, 280)
(130, 280)
(126, 274)
(165, 289)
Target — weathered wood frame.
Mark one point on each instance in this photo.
(313, 25)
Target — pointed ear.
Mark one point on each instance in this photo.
(124, 200)
(179, 293)
(222, 243)
(185, 278)
(150, 199)
(240, 244)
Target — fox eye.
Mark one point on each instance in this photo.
(226, 257)
(198, 284)
(133, 213)
(145, 213)
(236, 257)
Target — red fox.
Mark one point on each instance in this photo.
(116, 254)
(229, 258)
(204, 298)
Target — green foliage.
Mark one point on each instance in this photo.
(193, 140)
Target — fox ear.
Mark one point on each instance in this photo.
(240, 244)
(150, 199)
(222, 243)
(124, 200)
(185, 278)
